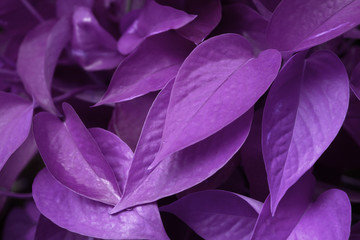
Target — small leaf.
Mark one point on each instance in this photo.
(153, 19)
(73, 157)
(303, 113)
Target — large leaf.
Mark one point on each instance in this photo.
(216, 214)
(153, 19)
(303, 113)
(296, 24)
(327, 218)
(148, 68)
(15, 123)
(92, 46)
(73, 157)
(219, 81)
(38, 55)
(90, 218)
(183, 169)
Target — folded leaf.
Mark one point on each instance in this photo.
(327, 218)
(74, 158)
(219, 81)
(15, 123)
(183, 169)
(38, 55)
(90, 218)
(217, 214)
(208, 16)
(297, 25)
(304, 111)
(153, 19)
(148, 68)
(92, 46)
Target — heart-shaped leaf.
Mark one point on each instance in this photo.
(219, 81)
(216, 214)
(15, 123)
(297, 25)
(304, 111)
(73, 157)
(73, 212)
(38, 55)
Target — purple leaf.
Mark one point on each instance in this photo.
(219, 81)
(73, 157)
(327, 218)
(15, 123)
(291, 208)
(90, 218)
(116, 152)
(216, 214)
(296, 25)
(38, 56)
(153, 19)
(92, 46)
(148, 68)
(183, 169)
(303, 113)
(128, 118)
(208, 16)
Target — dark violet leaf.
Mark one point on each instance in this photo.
(148, 68)
(90, 218)
(66, 7)
(128, 118)
(266, 7)
(38, 56)
(73, 157)
(355, 81)
(15, 123)
(291, 208)
(21, 223)
(92, 46)
(16, 163)
(47, 230)
(208, 16)
(219, 81)
(153, 19)
(217, 214)
(304, 111)
(296, 24)
(116, 152)
(183, 169)
(327, 218)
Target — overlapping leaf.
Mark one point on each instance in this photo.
(303, 113)
(296, 25)
(219, 81)
(183, 169)
(72, 212)
(74, 158)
